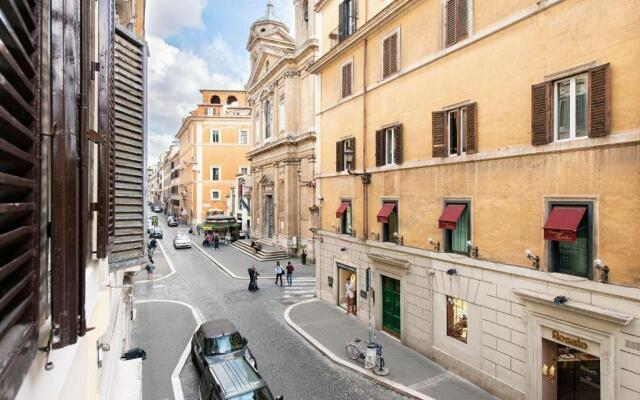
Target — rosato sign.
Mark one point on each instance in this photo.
(576, 342)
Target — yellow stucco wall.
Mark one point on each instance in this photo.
(497, 72)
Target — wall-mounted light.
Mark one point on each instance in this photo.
(435, 244)
(535, 260)
(398, 239)
(374, 236)
(473, 250)
(452, 271)
(549, 371)
(604, 270)
(559, 300)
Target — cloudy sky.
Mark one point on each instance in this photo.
(193, 45)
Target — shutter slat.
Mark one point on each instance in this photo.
(462, 20)
(471, 125)
(450, 34)
(599, 95)
(437, 134)
(541, 113)
(380, 147)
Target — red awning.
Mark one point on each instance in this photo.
(450, 216)
(562, 224)
(343, 207)
(385, 211)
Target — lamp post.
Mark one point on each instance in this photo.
(348, 157)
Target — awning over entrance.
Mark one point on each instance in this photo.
(341, 210)
(450, 216)
(562, 224)
(385, 212)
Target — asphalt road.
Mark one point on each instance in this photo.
(286, 361)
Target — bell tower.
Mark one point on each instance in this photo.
(305, 23)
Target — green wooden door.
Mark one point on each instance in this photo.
(391, 305)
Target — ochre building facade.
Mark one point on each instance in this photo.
(497, 146)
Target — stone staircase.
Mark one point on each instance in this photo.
(268, 253)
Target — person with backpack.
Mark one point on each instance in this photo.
(153, 243)
(290, 269)
(279, 273)
(150, 269)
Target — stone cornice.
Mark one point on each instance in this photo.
(285, 141)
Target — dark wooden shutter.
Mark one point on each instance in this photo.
(342, 28)
(437, 134)
(347, 79)
(339, 156)
(471, 125)
(380, 147)
(352, 146)
(542, 113)
(450, 30)
(462, 20)
(385, 58)
(128, 247)
(106, 126)
(20, 204)
(393, 54)
(599, 101)
(397, 148)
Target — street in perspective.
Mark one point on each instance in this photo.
(319, 200)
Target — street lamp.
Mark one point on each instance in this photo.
(348, 157)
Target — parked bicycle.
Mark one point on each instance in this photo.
(357, 350)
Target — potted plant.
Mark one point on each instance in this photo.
(303, 253)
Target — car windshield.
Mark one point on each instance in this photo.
(181, 237)
(260, 394)
(224, 344)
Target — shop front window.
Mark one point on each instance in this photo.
(456, 220)
(569, 234)
(346, 221)
(457, 319)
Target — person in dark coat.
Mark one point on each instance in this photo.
(253, 278)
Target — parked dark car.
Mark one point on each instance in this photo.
(156, 233)
(219, 340)
(172, 222)
(234, 379)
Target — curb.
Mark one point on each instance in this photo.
(225, 269)
(173, 270)
(175, 375)
(388, 383)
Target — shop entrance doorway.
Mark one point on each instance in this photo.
(569, 374)
(347, 273)
(391, 305)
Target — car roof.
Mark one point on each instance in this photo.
(236, 376)
(218, 327)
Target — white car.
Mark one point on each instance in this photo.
(182, 241)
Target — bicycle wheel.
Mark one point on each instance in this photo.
(352, 351)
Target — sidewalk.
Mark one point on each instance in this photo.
(412, 374)
(162, 268)
(236, 262)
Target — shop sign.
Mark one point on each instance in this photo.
(560, 235)
(572, 341)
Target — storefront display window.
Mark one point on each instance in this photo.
(457, 319)
(347, 274)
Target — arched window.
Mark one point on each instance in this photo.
(267, 119)
(232, 101)
(215, 100)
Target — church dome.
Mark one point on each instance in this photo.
(269, 18)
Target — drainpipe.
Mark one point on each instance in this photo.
(365, 190)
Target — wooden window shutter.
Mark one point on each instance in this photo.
(128, 248)
(347, 79)
(599, 101)
(20, 192)
(542, 113)
(340, 156)
(450, 29)
(437, 134)
(342, 29)
(380, 147)
(352, 146)
(397, 150)
(471, 125)
(393, 53)
(462, 20)
(385, 58)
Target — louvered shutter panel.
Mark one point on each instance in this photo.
(339, 156)
(542, 113)
(342, 29)
(393, 54)
(19, 190)
(352, 144)
(437, 134)
(599, 101)
(471, 125)
(346, 79)
(129, 84)
(450, 31)
(380, 147)
(462, 19)
(385, 58)
(397, 151)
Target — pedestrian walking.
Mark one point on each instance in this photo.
(199, 228)
(351, 297)
(152, 246)
(150, 269)
(290, 269)
(216, 242)
(253, 278)
(279, 273)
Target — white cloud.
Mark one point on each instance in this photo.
(167, 17)
(174, 80)
(156, 145)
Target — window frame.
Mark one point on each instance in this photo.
(268, 120)
(387, 237)
(390, 145)
(461, 130)
(211, 136)
(591, 236)
(211, 192)
(347, 144)
(246, 167)
(398, 54)
(342, 95)
(448, 233)
(211, 168)
(209, 111)
(450, 323)
(444, 24)
(572, 107)
(343, 222)
(246, 133)
(282, 119)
